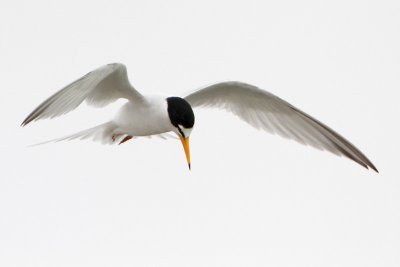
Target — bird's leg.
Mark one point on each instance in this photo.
(126, 138)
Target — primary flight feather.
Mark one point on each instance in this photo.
(145, 115)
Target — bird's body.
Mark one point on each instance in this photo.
(146, 115)
(143, 118)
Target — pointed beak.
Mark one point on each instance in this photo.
(185, 143)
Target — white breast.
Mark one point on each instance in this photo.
(144, 118)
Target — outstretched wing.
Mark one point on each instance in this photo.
(266, 111)
(99, 87)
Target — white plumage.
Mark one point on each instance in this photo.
(149, 115)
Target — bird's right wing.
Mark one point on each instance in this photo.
(266, 111)
(99, 88)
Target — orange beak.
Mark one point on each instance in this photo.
(185, 143)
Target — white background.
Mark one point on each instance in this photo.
(251, 199)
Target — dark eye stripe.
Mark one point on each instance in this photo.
(180, 131)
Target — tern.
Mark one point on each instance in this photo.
(147, 115)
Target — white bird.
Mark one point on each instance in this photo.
(144, 115)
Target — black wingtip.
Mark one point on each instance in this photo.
(25, 122)
(368, 166)
(371, 166)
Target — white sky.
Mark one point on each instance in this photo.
(251, 199)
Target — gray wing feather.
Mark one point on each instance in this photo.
(99, 88)
(268, 112)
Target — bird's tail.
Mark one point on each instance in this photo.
(103, 133)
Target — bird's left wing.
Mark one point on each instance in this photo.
(266, 111)
(99, 88)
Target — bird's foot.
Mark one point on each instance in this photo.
(126, 138)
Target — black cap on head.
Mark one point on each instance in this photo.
(180, 112)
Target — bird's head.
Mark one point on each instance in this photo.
(182, 119)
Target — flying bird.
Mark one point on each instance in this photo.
(146, 115)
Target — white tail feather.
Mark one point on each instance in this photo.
(102, 133)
